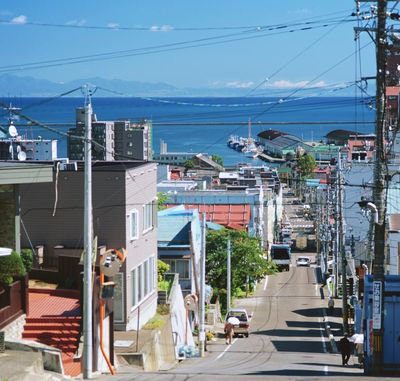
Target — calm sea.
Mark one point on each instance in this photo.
(205, 138)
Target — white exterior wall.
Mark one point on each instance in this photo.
(140, 190)
(393, 262)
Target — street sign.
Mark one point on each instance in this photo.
(377, 305)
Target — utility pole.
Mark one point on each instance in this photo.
(341, 242)
(228, 276)
(88, 232)
(378, 271)
(202, 333)
(337, 230)
(379, 183)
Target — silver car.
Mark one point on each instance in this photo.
(303, 261)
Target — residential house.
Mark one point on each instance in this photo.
(13, 175)
(124, 216)
(361, 147)
(179, 245)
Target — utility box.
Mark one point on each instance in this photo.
(391, 322)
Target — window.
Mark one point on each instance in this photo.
(118, 298)
(147, 216)
(134, 215)
(143, 280)
(180, 266)
(146, 277)
(134, 283)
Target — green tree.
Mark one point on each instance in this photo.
(247, 261)
(189, 164)
(11, 266)
(306, 165)
(161, 200)
(218, 159)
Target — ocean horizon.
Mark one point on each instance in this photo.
(205, 138)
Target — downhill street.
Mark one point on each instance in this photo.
(287, 340)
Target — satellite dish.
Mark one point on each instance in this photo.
(21, 156)
(18, 148)
(12, 131)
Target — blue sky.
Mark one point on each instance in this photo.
(242, 63)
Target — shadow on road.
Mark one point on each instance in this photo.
(298, 346)
(291, 332)
(303, 373)
(310, 312)
(310, 324)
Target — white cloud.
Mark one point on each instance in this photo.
(239, 84)
(162, 28)
(112, 25)
(76, 22)
(285, 84)
(19, 20)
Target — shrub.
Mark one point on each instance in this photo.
(27, 259)
(11, 266)
(162, 268)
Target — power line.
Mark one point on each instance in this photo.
(151, 50)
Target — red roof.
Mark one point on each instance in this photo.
(231, 216)
(392, 90)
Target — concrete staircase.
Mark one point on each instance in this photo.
(60, 331)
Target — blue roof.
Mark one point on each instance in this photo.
(214, 226)
(174, 226)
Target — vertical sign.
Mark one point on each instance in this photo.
(377, 305)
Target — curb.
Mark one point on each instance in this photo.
(332, 341)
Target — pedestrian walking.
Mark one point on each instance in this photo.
(345, 349)
(331, 306)
(228, 329)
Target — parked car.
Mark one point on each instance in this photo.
(243, 328)
(303, 261)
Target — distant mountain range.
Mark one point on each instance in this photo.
(26, 86)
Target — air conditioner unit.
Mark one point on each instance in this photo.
(69, 166)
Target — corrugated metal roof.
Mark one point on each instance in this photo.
(232, 215)
(173, 230)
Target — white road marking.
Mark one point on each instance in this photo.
(326, 370)
(266, 282)
(317, 289)
(227, 348)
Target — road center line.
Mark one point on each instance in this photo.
(227, 348)
(326, 370)
(266, 282)
(317, 289)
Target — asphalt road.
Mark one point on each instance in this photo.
(287, 339)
